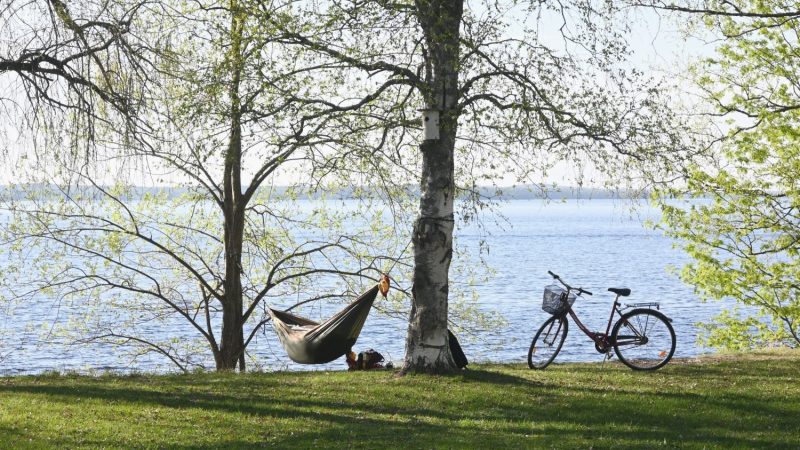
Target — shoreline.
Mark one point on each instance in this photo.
(779, 353)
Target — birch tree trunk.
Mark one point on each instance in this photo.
(427, 348)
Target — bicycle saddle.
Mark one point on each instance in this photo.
(622, 292)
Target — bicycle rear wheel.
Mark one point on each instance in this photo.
(547, 342)
(643, 339)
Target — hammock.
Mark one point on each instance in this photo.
(309, 342)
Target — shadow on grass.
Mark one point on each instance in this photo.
(572, 407)
(496, 378)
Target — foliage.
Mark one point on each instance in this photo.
(741, 224)
(740, 402)
(732, 330)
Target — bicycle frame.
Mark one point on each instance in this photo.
(598, 338)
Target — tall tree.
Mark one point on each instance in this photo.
(217, 108)
(518, 89)
(741, 223)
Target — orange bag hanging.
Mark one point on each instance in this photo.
(384, 285)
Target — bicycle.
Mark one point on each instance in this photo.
(643, 338)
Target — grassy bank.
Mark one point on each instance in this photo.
(735, 402)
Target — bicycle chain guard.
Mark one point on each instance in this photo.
(601, 343)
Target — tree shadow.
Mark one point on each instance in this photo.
(491, 409)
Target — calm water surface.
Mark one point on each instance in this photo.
(595, 244)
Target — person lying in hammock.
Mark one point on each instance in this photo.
(309, 342)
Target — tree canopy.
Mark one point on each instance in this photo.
(741, 226)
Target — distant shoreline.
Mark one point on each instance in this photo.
(525, 192)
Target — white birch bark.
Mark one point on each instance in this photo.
(427, 348)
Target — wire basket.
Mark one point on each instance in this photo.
(555, 300)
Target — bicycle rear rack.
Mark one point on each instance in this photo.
(642, 305)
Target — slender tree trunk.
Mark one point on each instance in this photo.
(232, 342)
(427, 348)
(232, 308)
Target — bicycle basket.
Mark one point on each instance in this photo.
(554, 302)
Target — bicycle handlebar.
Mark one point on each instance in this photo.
(580, 290)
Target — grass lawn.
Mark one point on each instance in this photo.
(750, 401)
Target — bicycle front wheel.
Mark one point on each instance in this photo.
(643, 339)
(547, 342)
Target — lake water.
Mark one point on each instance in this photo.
(595, 244)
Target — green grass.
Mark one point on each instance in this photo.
(732, 402)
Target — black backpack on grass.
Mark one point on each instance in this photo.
(455, 349)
